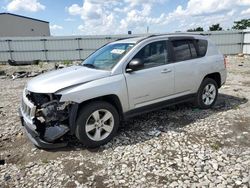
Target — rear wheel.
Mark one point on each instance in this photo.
(207, 94)
(97, 124)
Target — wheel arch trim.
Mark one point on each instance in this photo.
(112, 99)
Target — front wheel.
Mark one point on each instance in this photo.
(97, 124)
(207, 94)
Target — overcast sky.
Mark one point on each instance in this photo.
(77, 17)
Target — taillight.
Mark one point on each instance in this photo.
(225, 61)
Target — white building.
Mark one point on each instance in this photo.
(12, 25)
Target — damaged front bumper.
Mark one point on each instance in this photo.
(35, 138)
(45, 134)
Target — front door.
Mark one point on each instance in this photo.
(155, 81)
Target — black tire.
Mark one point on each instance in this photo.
(84, 115)
(199, 102)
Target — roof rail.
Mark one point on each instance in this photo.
(189, 33)
(177, 33)
(126, 38)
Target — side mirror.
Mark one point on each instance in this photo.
(135, 65)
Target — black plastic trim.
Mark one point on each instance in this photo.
(157, 106)
(72, 118)
(181, 38)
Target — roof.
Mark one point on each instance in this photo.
(178, 34)
(4, 13)
(129, 40)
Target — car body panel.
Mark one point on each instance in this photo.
(149, 84)
(112, 85)
(53, 81)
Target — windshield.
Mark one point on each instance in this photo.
(108, 56)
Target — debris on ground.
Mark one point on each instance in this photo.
(2, 73)
(24, 74)
(21, 74)
(240, 55)
(2, 161)
(154, 132)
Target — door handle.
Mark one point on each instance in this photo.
(166, 71)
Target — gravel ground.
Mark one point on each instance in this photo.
(179, 146)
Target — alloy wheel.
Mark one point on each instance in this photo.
(99, 125)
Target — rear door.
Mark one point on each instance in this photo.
(186, 70)
(155, 80)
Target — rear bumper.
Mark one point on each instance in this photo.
(34, 136)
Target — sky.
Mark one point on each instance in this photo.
(97, 17)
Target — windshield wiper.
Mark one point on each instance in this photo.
(89, 65)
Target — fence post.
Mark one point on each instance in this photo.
(10, 50)
(45, 49)
(242, 41)
(79, 49)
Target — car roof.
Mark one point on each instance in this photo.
(131, 40)
(137, 39)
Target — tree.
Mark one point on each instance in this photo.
(242, 24)
(195, 29)
(215, 27)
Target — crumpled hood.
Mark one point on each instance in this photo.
(53, 81)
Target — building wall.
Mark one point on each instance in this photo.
(13, 26)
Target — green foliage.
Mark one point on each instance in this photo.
(195, 29)
(36, 62)
(67, 62)
(215, 146)
(242, 24)
(215, 27)
(45, 161)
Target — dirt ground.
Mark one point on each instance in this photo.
(179, 146)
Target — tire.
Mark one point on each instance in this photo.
(207, 94)
(97, 124)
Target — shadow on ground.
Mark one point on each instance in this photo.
(172, 118)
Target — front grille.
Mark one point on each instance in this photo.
(28, 109)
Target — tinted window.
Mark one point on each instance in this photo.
(202, 46)
(182, 50)
(153, 54)
(192, 49)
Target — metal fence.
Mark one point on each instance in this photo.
(79, 47)
(229, 42)
(246, 46)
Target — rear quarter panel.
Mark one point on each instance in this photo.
(212, 62)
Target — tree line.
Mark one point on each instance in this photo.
(238, 25)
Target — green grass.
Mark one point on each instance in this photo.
(215, 146)
(45, 161)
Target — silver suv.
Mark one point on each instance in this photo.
(120, 80)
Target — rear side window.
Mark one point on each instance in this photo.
(193, 50)
(202, 47)
(185, 50)
(181, 50)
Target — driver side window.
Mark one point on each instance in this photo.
(153, 54)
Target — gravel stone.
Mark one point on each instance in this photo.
(179, 146)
